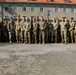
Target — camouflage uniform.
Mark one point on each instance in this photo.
(51, 32)
(18, 31)
(42, 27)
(71, 30)
(27, 28)
(35, 27)
(5, 31)
(63, 31)
(22, 30)
(55, 27)
(48, 23)
(75, 33)
(1, 31)
(11, 29)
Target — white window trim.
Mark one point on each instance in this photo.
(71, 9)
(51, 13)
(25, 6)
(34, 8)
(5, 17)
(43, 8)
(66, 9)
(58, 8)
(17, 7)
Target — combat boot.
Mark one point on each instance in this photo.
(10, 41)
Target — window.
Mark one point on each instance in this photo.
(23, 7)
(32, 8)
(49, 0)
(15, 17)
(6, 7)
(56, 9)
(49, 13)
(65, 9)
(32, 17)
(73, 9)
(15, 8)
(67, 0)
(41, 8)
(6, 17)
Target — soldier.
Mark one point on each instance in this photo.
(27, 28)
(42, 27)
(63, 25)
(31, 35)
(51, 32)
(18, 30)
(55, 27)
(75, 33)
(35, 27)
(22, 29)
(5, 31)
(48, 23)
(1, 29)
(71, 29)
(37, 22)
(11, 29)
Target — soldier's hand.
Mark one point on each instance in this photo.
(32, 30)
(26, 30)
(42, 28)
(50, 30)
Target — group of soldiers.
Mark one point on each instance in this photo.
(37, 30)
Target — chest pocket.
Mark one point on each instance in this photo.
(17, 26)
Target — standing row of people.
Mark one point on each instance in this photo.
(39, 30)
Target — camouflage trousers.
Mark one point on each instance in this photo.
(11, 35)
(18, 35)
(35, 36)
(27, 36)
(75, 37)
(22, 36)
(47, 36)
(72, 35)
(42, 34)
(64, 36)
(55, 35)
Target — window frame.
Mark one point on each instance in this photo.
(73, 9)
(15, 9)
(49, 14)
(56, 9)
(23, 7)
(6, 6)
(41, 8)
(64, 9)
(32, 8)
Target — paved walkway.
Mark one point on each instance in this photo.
(48, 59)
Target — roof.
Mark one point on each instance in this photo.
(42, 1)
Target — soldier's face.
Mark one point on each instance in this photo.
(63, 19)
(11, 19)
(23, 18)
(33, 20)
(27, 19)
(71, 20)
(36, 19)
(54, 20)
(41, 19)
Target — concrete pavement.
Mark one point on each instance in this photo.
(48, 59)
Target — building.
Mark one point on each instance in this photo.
(32, 8)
